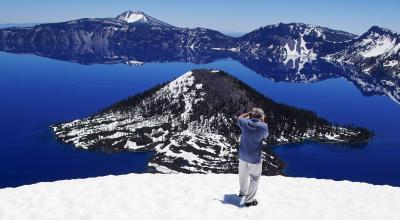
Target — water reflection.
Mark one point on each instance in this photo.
(288, 69)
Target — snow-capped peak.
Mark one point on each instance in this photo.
(378, 41)
(139, 17)
(376, 49)
(132, 16)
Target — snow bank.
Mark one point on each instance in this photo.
(210, 196)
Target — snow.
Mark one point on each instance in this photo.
(199, 86)
(132, 145)
(297, 63)
(140, 17)
(282, 139)
(180, 86)
(188, 156)
(132, 17)
(303, 50)
(391, 63)
(332, 137)
(290, 52)
(297, 57)
(379, 46)
(162, 169)
(134, 63)
(190, 196)
(233, 49)
(388, 83)
(384, 46)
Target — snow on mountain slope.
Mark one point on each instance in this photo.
(139, 17)
(377, 45)
(376, 51)
(197, 196)
(190, 123)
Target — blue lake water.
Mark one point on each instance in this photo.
(36, 92)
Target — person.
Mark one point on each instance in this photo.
(253, 131)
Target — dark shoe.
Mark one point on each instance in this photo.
(252, 203)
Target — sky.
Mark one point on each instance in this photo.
(355, 16)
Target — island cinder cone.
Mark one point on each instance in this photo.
(190, 124)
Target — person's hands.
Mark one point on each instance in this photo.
(245, 115)
(264, 119)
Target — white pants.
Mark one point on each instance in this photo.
(246, 171)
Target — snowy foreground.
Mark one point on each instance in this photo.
(210, 196)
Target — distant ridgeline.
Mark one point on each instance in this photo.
(283, 52)
(190, 124)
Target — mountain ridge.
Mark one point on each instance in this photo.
(283, 41)
(294, 48)
(376, 51)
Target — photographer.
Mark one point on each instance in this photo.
(254, 130)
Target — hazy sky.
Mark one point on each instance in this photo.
(355, 16)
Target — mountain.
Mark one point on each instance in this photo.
(137, 29)
(293, 39)
(130, 29)
(138, 17)
(293, 44)
(190, 124)
(284, 52)
(375, 52)
(280, 43)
